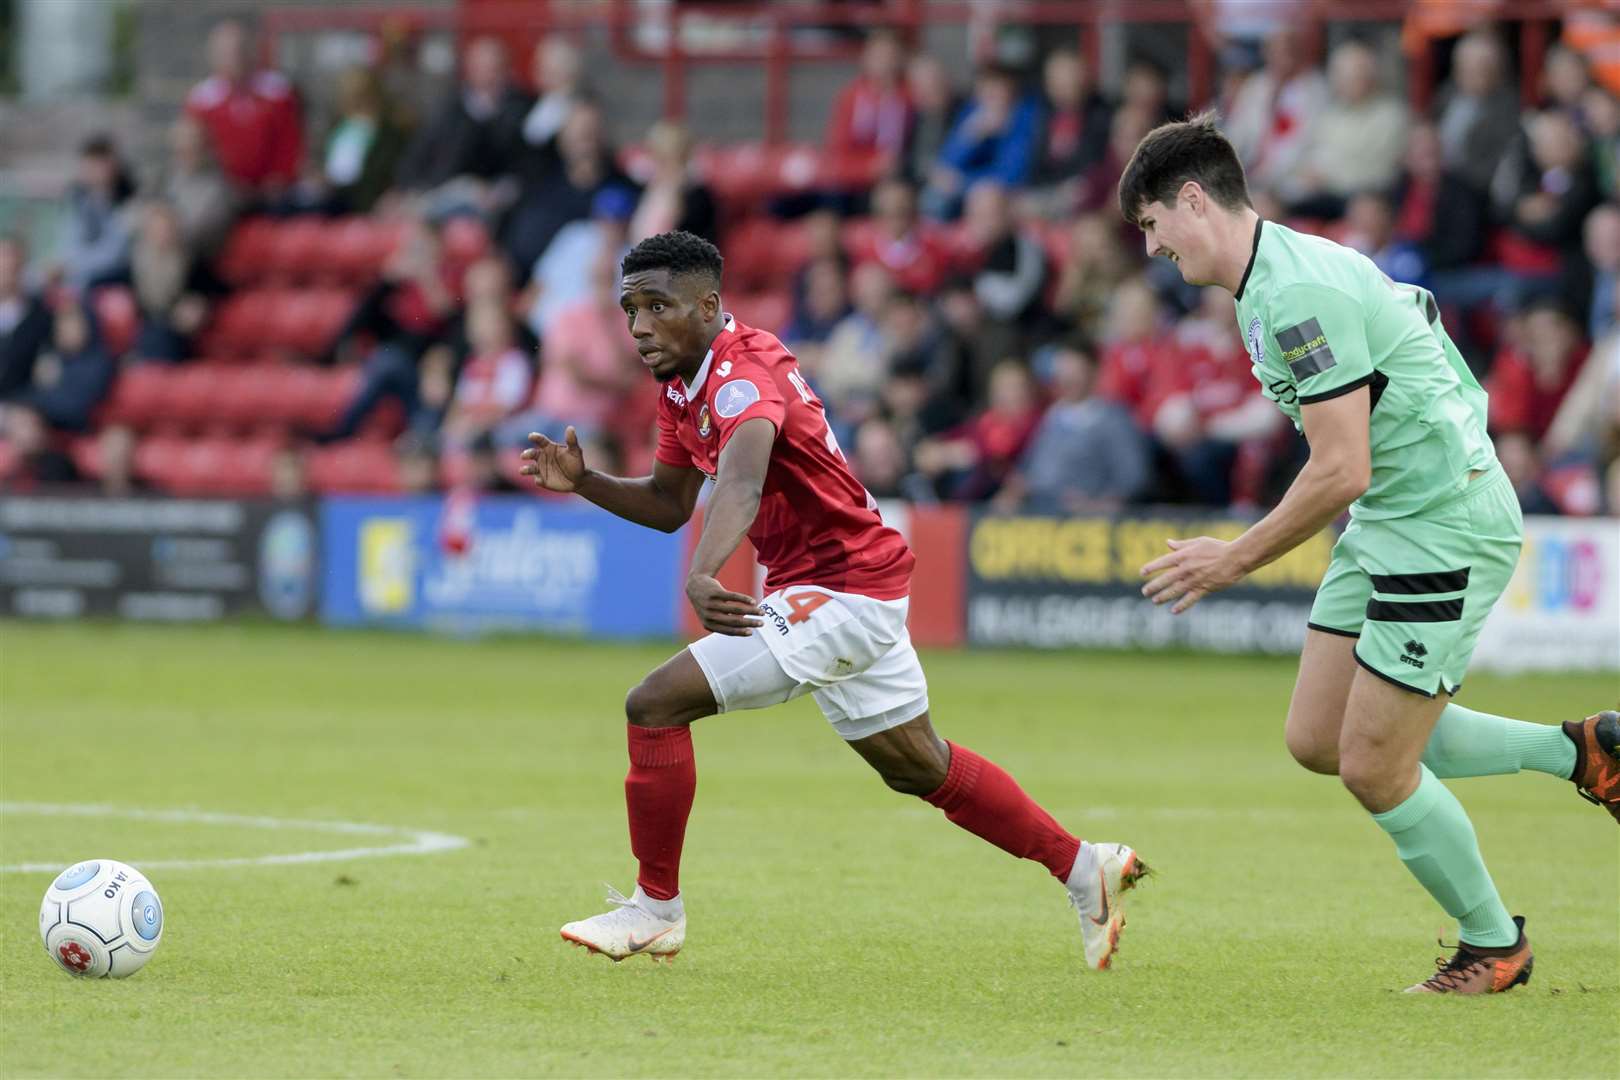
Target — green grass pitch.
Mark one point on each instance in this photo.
(836, 929)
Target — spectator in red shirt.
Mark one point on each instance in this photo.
(873, 113)
(253, 117)
(1133, 340)
(1208, 403)
(973, 461)
(1528, 382)
(909, 248)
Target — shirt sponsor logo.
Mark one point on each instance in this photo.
(734, 397)
(675, 395)
(1305, 349)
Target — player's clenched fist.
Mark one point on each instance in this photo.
(720, 611)
(554, 466)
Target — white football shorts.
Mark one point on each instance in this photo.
(852, 653)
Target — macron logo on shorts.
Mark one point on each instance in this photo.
(734, 397)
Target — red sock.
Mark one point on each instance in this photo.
(658, 792)
(979, 796)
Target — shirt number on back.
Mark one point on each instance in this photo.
(804, 394)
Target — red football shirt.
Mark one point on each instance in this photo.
(255, 126)
(816, 524)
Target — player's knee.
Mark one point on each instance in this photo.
(1311, 751)
(1370, 778)
(645, 706)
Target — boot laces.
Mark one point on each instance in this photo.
(1454, 970)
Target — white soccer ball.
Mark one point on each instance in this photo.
(101, 919)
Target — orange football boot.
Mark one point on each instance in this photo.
(1597, 759)
(1475, 970)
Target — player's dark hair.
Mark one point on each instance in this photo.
(678, 252)
(1172, 154)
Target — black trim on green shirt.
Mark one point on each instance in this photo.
(1253, 254)
(1339, 391)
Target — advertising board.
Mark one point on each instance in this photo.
(155, 558)
(501, 562)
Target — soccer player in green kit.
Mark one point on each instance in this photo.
(1396, 427)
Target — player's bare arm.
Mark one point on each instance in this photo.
(662, 501)
(726, 519)
(1337, 473)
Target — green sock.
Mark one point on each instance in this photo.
(1435, 840)
(1469, 743)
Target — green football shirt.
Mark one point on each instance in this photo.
(1321, 320)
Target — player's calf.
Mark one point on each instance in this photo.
(910, 758)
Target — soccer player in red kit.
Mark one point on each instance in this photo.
(734, 408)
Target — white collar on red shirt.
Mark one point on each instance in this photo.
(703, 372)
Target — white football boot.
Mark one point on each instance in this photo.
(637, 924)
(1102, 872)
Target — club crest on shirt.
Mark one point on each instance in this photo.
(1257, 348)
(703, 421)
(734, 397)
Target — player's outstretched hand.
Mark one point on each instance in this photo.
(720, 611)
(1192, 570)
(554, 466)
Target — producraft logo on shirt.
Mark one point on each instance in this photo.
(1305, 349)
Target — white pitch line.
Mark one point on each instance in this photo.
(414, 841)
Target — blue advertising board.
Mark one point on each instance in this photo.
(502, 562)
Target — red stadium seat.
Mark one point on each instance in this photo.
(192, 395)
(768, 311)
(239, 392)
(358, 247)
(85, 450)
(200, 469)
(239, 323)
(157, 460)
(246, 256)
(735, 173)
(305, 320)
(137, 396)
(249, 465)
(359, 467)
(765, 254)
(116, 317)
(298, 250)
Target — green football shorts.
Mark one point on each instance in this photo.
(1416, 590)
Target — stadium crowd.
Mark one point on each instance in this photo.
(390, 301)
